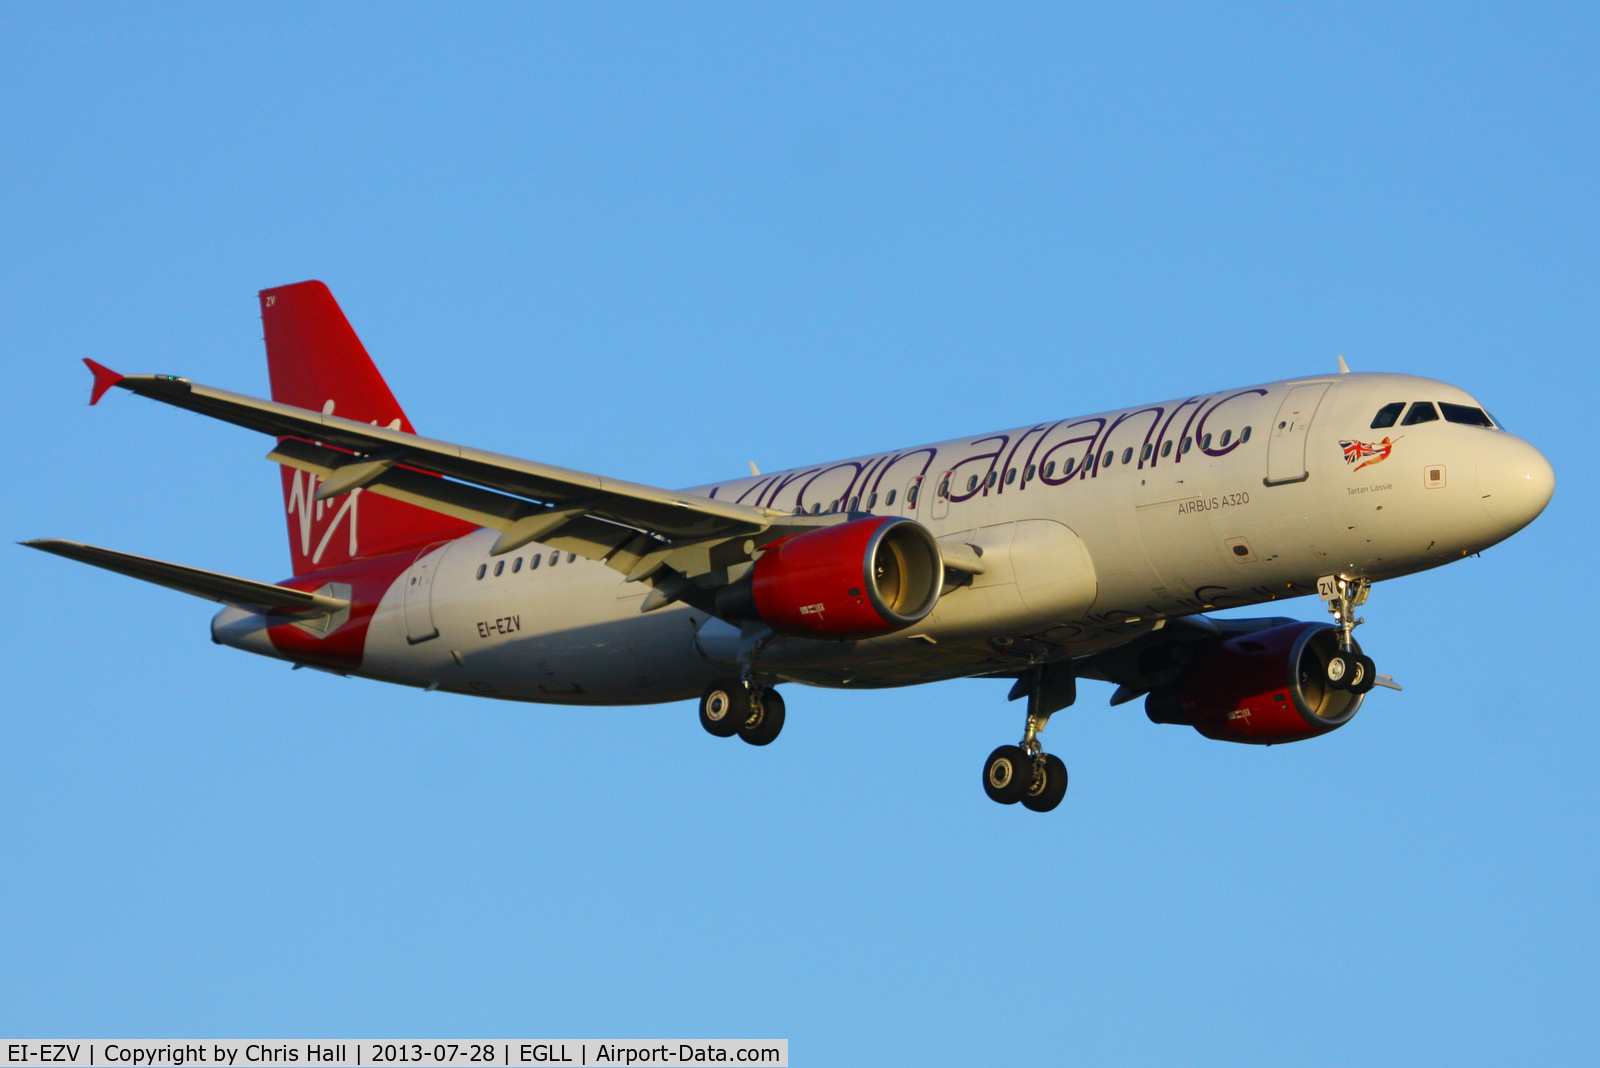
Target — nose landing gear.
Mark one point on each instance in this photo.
(1348, 668)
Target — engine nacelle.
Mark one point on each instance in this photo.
(1262, 688)
(855, 580)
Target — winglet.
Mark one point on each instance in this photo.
(104, 379)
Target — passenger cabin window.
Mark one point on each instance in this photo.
(1466, 414)
(1144, 454)
(1205, 441)
(1011, 476)
(872, 502)
(1387, 415)
(1166, 449)
(972, 483)
(1027, 475)
(1244, 435)
(1127, 455)
(1050, 469)
(890, 499)
(499, 568)
(1066, 469)
(555, 558)
(533, 561)
(1187, 442)
(989, 482)
(1105, 461)
(855, 503)
(483, 569)
(516, 565)
(571, 557)
(911, 496)
(1421, 412)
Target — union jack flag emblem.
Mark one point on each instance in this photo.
(1365, 454)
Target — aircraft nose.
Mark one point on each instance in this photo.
(1515, 481)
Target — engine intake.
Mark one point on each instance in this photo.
(855, 580)
(1262, 688)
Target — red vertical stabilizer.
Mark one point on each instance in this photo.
(316, 361)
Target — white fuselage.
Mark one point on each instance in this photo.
(1076, 560)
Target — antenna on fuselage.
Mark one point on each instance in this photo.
(754, 470)
(1344, 368)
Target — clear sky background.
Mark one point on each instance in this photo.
(659, 242)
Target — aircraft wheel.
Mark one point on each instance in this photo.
(723, 707)
(1366, 675)
(1049, 787)
(1007, 774)
(1341, 669)
(761, 728)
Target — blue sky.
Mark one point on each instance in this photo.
(658, 242)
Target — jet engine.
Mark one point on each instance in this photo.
(1262, 688)
(856, 580)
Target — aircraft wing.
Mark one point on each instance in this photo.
(212, 585)
(620, 522)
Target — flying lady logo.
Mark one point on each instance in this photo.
(1365, 454)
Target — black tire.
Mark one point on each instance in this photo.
(1007, 774)
(724, 705)
(1340, 669)
(1049, 788)
(762, 728)
(1366, 675)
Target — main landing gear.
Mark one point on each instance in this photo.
(754, 713)
(1025, 772)
(1348, 668)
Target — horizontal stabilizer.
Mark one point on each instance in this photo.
(226, 589)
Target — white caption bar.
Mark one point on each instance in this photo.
(366, 1053)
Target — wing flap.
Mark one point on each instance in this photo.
(212, 585)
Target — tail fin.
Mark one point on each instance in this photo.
(316, 361)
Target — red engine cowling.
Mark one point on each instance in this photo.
(1262, 688)
(855, 580)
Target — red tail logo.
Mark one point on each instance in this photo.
(316, 361)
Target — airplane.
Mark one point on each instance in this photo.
(1087, 547)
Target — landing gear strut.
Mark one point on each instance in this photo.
(754, 713)
(1025, 772)
(1348, 668)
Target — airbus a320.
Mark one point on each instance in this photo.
(1085, 547)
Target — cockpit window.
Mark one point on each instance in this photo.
(1465, 413)
(1421, 412)
(1387, 415)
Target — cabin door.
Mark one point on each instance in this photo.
(1286, 442)
(419, 595)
